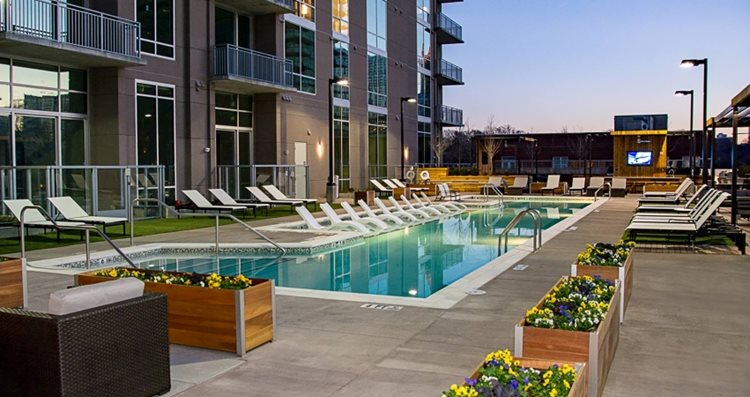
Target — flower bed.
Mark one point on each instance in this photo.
(610, 262)
(503, 375)
(233, 314)
(574, 322)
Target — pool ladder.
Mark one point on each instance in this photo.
(536, 217)
(494, 189)
(609, 190)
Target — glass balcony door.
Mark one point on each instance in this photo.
(234, 148)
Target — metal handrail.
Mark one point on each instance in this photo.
(85, 228)
(536, 216)
(196, 215)
(494, 189)
(609, 191)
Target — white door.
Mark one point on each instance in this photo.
(300, 177)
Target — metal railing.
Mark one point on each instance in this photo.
(609, 190)
(537, 237)
(230, 60)
(451, 71)
(451, 116)
(490, 187)
(292, 180)
(85, 228)
(450, 26)
(71, 24)
(546, 167)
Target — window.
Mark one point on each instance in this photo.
(423, 10)
(300, 49)
(341, 146)
(376, 24)
(341, 16)
(559, 162)
(377, 134)
(231, 28)
(423, 95)
(155, 133)
(424, 143)
(423, 47)
(340, 68)
(305, 9)
(157, 26)
(508, 162)
(377, 80)
(234, 110)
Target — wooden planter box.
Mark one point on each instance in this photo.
(596, 348)
(623, 273)
(12, 277)
(220, 319)
(578, 389)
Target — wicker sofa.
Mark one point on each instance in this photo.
(120, 349)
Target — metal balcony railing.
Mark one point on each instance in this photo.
(451, 116)
(230, 60)
(71, 24)
(451, 71)
(450, 26)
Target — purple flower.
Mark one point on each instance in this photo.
(470, 382)
(526, 380)
(514, 384)
(554, 366)
(506, 366)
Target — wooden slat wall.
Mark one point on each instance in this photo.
(11, 284)
(625, 143)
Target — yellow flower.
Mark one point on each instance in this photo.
(566, 383)
(113, 273)
(553, 393)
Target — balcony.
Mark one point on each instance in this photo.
(246, 71)
(260, 7)
(52, 30)
(449, 74)
(448, 31)
(451, 117)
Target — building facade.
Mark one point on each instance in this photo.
(208, 88)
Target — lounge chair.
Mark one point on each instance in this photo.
(679, 191)
(429, 210)
(520, 184)
(415, 212)
(578, 185)
(263, 198)
(401, 214)
(72, 212)
(693, 214)
(225, 199)
(553, 183)
(354, 216)
(280, 196)
(669, 199)
(619, 187)
(202, 203)
(700, 193)
(553, 212)
(335, 219)
(33, 218)
(453, 204)
(447, 194)
(384, 217)
(388, 184)
(380, 188)
(313, 224)
(446, 209)
(595, 183)
(400, 184)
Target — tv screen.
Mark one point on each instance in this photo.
(640, 158)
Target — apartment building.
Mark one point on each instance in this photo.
(208, 88)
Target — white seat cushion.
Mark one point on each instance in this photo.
(72, 300)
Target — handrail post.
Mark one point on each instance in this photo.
(88, 249)
(131, 219)
(216, 234)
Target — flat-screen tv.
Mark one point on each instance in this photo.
(640, 158)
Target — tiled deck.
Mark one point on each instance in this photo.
(684, 333)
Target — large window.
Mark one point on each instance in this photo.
(423, 47)
(376, 24)
(424, 143)
(341, 16)
(305, 9)
(377, 80)
(341, 146)
(157, 26)
(559, 162)
(377, 140)
(340, 68)
(155, 131)
(231, 28)
(300, 49)
(423, 10)
(423, 95)
(234, 110)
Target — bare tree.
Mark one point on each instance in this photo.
(491, 147)
(439, 145)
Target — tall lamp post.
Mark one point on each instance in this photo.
(689, 63)
(403, 148)
(330, 186)
(692, 134)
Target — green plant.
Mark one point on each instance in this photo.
(603, 254)
(212, 280)
(576, 303)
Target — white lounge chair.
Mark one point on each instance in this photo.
(693, 214)
(354, 216)
(71, 211)
(33, 218)
(313, 224)
(387, 183)
(263, 198)
(202, 203)
(553, 212)
(334, 218)
(400, 184)
(671, 198)
(452, 204)
(699, 195)
(280, 196)
(681, 188)
(447, 208)
(401, 214)
(446, 193)
(578, 185)
(595, 182)
(384, 217)
(553, 182)
(415, 212)
(225, 199)
(429, 210)
(380, 188)
(520, 184)
(619, 187)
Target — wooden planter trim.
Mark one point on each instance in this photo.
(578, 389)
(13, 283)
(220, 319)
(623, 273)
(596, 348)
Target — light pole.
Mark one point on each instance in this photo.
(403, 148)
(692, 134)
(689, 63)
(330, 186)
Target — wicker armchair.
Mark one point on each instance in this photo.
(121, 349)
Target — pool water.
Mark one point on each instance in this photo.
(412, 262)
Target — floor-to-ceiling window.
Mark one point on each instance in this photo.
(423, 10)
(377, 80)
(377, 140)
(234, 139)
(340, 68)
(232, 28)
(424, 101)
(305, 9)
(341, 146)
(341, 17)
(299, 44)
(155, 130)
(423, 46)
(157, 26)
(376, 24)
(424, 142)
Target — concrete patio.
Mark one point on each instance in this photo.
(684, 332)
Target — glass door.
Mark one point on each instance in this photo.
(234, 153)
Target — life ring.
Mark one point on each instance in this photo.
(425, 175)
(410, 175)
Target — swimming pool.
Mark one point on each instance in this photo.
(412, 262)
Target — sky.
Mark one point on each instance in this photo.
(545, 65)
